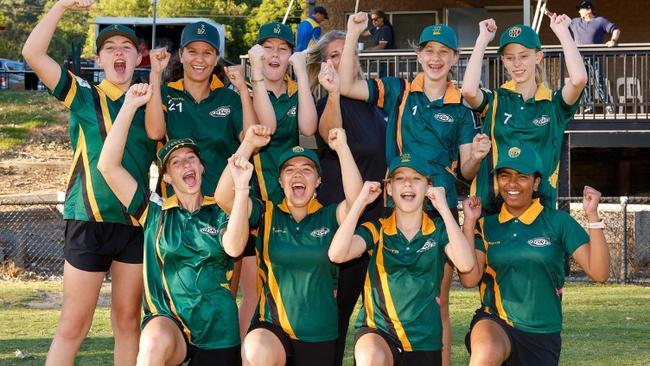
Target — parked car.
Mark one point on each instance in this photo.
(12, 74)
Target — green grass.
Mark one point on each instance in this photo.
(603, 325)
(23, 112)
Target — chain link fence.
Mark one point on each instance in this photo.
(31, 237)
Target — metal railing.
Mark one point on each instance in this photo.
(31, 237)
(619, 78)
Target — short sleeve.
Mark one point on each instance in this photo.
(383, 35)
(72, 90)
(139, 206)
(468, 126)
(488, 97)
(479, 237)
(441, 233)
(384, 92)
(572, 234)
(608, 26)
(565, 111)
(164, 97)
(369, 232)
(236, 115)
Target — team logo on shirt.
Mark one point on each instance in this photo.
(539, 242)
(319, 233)
(210, 230)
(443, 117)
(282, 230)
(292, 112)
(514, 32)
(542, 121)
(429, 244)
(83, 83)
(220, 112)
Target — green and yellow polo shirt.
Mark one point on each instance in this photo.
(92, 111)
(285, 137)
(538, 122)
(524, 273)
(402, 286)
(186, 269)
(214, 123)
(298, 281)
(432, 130)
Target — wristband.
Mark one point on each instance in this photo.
(242, 189)
(257, 81)
(596, 225)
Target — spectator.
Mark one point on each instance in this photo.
(309, 29)
(381, 31)
(591, 29)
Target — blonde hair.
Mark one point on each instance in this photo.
(317, 54)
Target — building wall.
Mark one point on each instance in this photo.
(631, 18)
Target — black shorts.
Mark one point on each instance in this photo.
(300, 353)
(93, 246)
(525, 348)
(249, 249)
(401, 357)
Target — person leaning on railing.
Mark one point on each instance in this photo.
(523, 108)
(521, 253)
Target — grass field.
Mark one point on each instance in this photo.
(603, 325)
(21, 112)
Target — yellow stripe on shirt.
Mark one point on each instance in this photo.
(390, 305)
(367, 302)
(273, 283)
(498, 302)
(88, 177)
(260, 177)
(72, 92)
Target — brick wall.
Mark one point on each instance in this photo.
(631, 19)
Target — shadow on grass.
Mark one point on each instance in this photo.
(94, 351)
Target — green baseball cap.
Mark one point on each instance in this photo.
(172, 145)
(522, 34)
(521, 158)
(115, 30)
(200, 32)
(297, 151)
(276, 30)
(439, 33)
(409, 161)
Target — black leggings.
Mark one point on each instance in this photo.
(352, 275)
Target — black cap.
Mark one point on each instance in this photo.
(322, 10)
(585, 5)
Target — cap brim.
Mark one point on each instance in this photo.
(115, 32)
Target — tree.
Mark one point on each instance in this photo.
(269, 11)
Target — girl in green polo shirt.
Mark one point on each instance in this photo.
(189, 312)
(400, 321)
(281, 104)
(523, 110)
(100, 236)
(296, 318)
(198, 105)
(521, 254)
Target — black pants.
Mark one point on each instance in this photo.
(352, 275)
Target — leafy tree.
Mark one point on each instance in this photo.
(269, 11)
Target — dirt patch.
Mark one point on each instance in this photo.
(38, 165)
(54, 300)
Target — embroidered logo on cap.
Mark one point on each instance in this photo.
(200, 29)
(514, 32)
(277, 29)
(437, 30)
(514, 152)
(298, 149)
(406, 158)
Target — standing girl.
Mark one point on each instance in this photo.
(100, 234)
(198, 106)
(523, 110)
